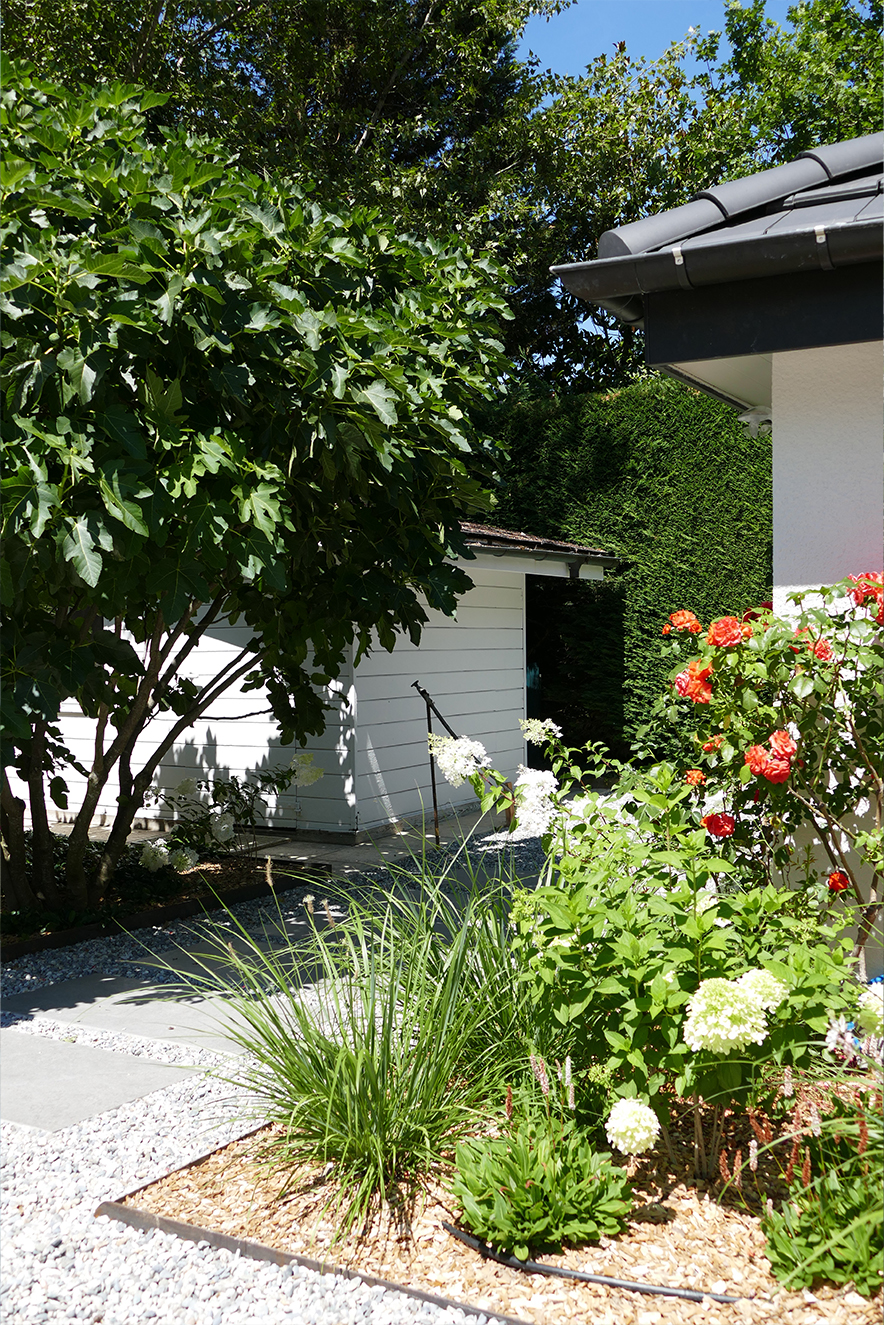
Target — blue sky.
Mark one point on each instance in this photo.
(568, 41)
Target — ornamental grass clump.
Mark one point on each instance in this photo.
(374, 1041)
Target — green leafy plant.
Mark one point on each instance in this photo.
(225, 404)
(220, 815)
(829, 1225)
(542, 1184)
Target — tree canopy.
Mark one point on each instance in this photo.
(222, 400)
(425, 109)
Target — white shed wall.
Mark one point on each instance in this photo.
(235, 737)
(828, 480)
(474, 667)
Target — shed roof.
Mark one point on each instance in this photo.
(487, 538)
(822, 211)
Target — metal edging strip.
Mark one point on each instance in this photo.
(259, 1251)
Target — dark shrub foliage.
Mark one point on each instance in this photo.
(663, 476)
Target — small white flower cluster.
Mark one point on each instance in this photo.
(535, 810)
(156, 856)
(186, 787)
(306, 772)
(870, 1016)
(729, 1014)
(458, 757)
(221, 827)
(537, 731)
(632, 1127)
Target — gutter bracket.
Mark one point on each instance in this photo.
(680, 269)
(822, 248)
(574, 569)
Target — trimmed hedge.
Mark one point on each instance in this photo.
(659, 474)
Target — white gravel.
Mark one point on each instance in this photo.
(61, 1263)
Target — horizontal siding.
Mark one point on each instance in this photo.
(474, 667)
(235, 739)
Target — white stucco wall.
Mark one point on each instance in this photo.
(828, 478)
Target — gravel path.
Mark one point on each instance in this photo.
(61, 1263)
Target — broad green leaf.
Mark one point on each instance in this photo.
(79, 548)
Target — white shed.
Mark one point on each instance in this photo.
(374, 748)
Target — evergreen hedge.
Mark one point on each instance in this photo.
(663, 476)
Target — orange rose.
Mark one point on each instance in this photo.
(685, 620)
(724, 632)
(757, 757)
(695, 777)
(869, 586)
(838, 881)
(776, 770)
(692, 683)
(714, 743)
(782, 745)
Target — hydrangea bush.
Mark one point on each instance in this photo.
(672, 941)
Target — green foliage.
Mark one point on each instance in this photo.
(208, 810)
(416, 1028)
(425, 108)
(539, 1188)
(829, 1226)
(223, 402)
(643, 911)
(667, 479)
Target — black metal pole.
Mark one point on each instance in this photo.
(433, 777)
(431, 709)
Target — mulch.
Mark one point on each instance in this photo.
(682, 1234)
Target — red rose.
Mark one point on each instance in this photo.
(714, 743)
(838, 882)
(755, 612)
(756, 758)
(782, 745)
(869, 586)
(822, 649)
(685, 620)
(692, 683)
(666, 629)
(776, 770)
(719, 825)
(726, 631)
(695, 777)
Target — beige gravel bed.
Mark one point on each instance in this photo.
(680, 1236)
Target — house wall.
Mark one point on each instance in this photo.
(474, 668)
(828, 480)
(235, 737)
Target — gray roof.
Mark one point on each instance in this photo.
(823, 210)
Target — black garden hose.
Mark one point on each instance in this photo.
(535, 1267)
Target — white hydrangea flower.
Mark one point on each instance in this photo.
(537, 731)
(767, 991)
(182, 858)
(306, 772)
(221, 827)
(632, 1127)
(722, 1016)
(186, 787)
(870, 1015)
(458, 757)
(154, 856)
(535, 810)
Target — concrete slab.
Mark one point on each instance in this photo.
(112, 1003)
(50, 1084)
